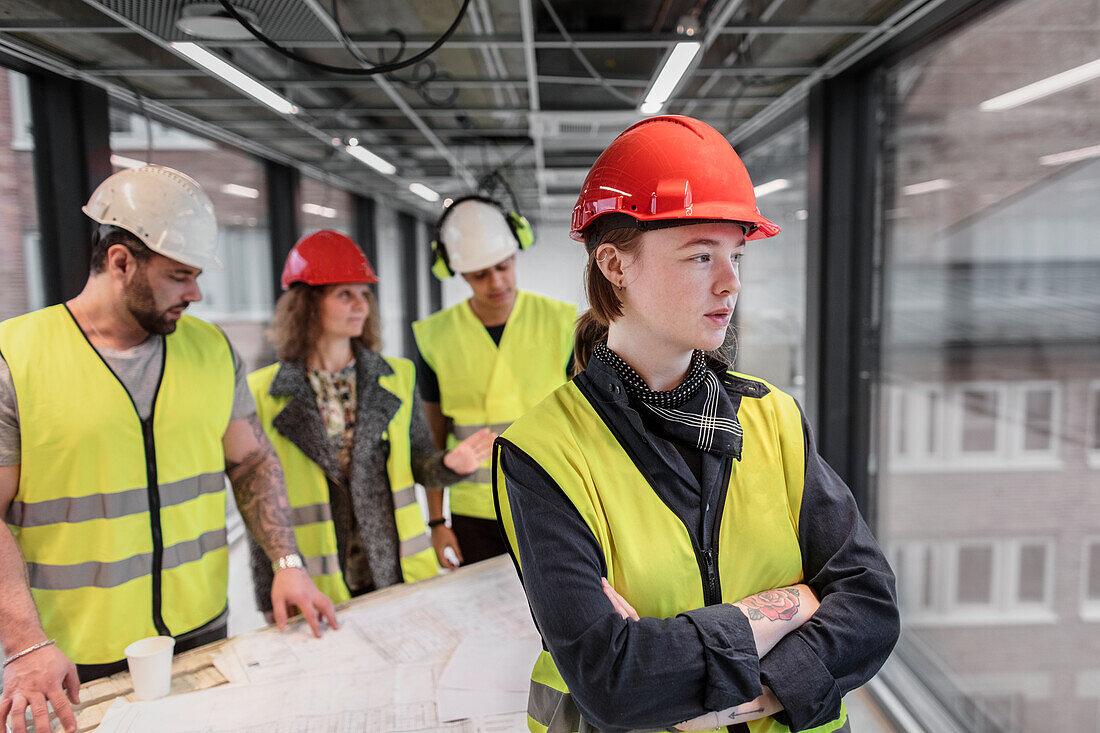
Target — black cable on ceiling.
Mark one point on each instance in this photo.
(352, 71)
(419, 83)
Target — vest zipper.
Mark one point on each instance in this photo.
(153, 490)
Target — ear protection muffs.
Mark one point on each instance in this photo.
(521, 229)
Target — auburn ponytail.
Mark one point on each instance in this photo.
(603, 301)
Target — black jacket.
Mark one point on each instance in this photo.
(671, 670)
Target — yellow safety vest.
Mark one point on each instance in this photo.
(483, 385)
(121, 522)
(649, 554)
(307, 486)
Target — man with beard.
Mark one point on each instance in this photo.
(119, 418)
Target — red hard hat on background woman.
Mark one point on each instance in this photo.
(326, 258)
(665, 169)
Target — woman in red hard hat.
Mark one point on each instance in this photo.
(349, 429)
(689, 558)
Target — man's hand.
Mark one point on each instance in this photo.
(292, 587)
(467, 456)
(44, 674)
(442, 538)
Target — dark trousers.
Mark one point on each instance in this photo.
(478, 539)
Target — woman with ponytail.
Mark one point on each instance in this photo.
(690, 561)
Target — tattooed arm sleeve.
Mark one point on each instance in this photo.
(855, 628)
(258, 485)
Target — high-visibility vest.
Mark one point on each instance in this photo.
(307, 486)
(121, 521)
(484, 385)
(650, 557)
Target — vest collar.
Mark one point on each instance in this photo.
(300, 421)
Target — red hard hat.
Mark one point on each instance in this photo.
(666, 168)
(325, 258)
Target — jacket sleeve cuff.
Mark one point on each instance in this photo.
(729, 651)
(801, 683)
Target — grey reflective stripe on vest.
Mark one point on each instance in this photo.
(482, 475)
(311, 514)
(415, 544)
(323, 565)
(553, 708)
(110, 506)
(110, 574)
(465, 431)
(404, 497)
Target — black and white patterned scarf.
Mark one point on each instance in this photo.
(698, 412)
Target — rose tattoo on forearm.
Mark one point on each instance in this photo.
(776, 605)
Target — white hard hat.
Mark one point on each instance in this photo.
(476, 235)
(167, 210)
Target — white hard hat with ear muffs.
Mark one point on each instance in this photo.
(165, 209)
(474, 233)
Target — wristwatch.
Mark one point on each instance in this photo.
(293, 560)
(433, 523)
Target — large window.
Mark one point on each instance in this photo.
(324, 207)
(771, 308)
(20, 258)
(988, 459)
(239, 297)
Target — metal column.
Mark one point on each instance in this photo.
(72, 155)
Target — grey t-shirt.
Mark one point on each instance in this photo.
(137, 368)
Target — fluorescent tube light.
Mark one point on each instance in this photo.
(230, 74)
(380, 165)
(318, 210)
(938, 184)
(121, 161)
(243, 191)
(1044, 87)
(424, 192)
(1071, 156)
(675, 66)
(771, 187)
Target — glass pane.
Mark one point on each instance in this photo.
(1038, 413)
(975, 581)
(771, 317)
(1094, 572)
(927, 586)
(979, 421)
(20, 260)
(239, 298)
(989, 297)
(1032, 577)
(1095, 444)
(324, 207)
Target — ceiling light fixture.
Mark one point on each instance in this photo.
(211, 20)
(936, 184)
(1043, 87)
(243, 191)
(379, 164)
(424, 192)
(672, 71)
(233, 76)
(771, 187)
(318, 210)
(121, 161)
(1071, 156)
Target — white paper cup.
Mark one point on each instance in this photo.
(150, 662)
